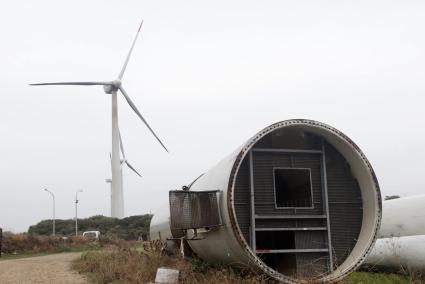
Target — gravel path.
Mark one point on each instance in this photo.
(54, 268)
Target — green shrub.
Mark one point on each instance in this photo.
(130, 228)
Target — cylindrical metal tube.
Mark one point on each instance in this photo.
(299, 200)
(403, 217)
(401, 240)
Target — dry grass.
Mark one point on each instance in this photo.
(129, 265)
(17, 244)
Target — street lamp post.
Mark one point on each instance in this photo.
(53, 197)
(76, 211)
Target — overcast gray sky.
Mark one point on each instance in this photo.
(207, 76)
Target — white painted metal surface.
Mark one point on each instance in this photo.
(226, 244)
(403, 217)
(402, 234)
(397, 252)
(160, 224)
(117, 194)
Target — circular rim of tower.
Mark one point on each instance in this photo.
(329, 277)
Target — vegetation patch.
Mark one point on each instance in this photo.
(379, 278)
(21, 245)
(137, 264)
(130, 265)
(129, 228)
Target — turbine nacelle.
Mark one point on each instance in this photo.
(113, 87)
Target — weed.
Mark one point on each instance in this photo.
(131, 265)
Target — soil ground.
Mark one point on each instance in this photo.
(54, 268)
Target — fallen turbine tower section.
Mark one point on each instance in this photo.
(401, 239)
(299, 201)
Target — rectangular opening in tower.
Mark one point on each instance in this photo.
(275, 240)
(292, 187)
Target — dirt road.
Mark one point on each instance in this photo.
(51, 269)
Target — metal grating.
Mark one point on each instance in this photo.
(264, 163)
(311, 264)
(194, 209)
(332, 184)
(345, 205)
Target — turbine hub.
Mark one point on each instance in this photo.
(113, 87)
(116, 83)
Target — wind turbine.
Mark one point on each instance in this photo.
(122, 161)
(112, 88)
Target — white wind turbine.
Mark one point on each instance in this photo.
(112, 87)
(122, 161)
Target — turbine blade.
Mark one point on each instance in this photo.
(72, 83)
(129, 53)
(133, 169)
(133, 106)
(121, 145)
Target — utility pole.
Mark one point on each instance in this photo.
(76, 211)
(1, 240)
(53, 197)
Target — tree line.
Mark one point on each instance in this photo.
(129, 228)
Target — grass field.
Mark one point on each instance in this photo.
(379, 278)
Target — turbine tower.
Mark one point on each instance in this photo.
(112, 88)
(122, 161)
